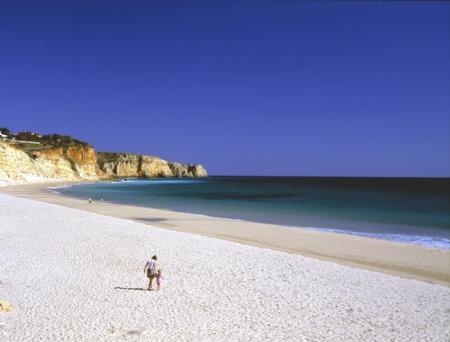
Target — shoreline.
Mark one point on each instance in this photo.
(399, 238)
(86, 283)
(401, 259)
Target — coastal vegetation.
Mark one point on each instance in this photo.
(4, 130)
(46, 140)
(107, 157)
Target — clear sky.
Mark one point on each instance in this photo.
(245, 88)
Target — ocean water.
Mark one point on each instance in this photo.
(401, 209)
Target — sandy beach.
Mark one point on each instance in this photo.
(284, 163)
(78, 276)
(406, 260)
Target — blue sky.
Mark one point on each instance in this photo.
(245, 88)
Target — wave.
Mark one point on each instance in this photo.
(424, 240)
(56, 189)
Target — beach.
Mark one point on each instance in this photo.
(406, 260)
(282, 167)
(78, 276)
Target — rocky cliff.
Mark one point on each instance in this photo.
(82, 162)
(72, 163)
(135, 165)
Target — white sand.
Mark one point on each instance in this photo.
(402, 259)
(27, 179)
(63, 269)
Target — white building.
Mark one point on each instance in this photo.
(3, 136)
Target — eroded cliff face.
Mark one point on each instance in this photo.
(81, 162)
(187, 170)
(84, 159)
(135, 165)
(15, 165)
(73, 163)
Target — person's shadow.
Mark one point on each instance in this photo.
(131, 288)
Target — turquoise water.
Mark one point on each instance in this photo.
(400, 209)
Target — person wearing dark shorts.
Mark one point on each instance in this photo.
(150, 269)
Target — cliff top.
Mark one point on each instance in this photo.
(24, 140)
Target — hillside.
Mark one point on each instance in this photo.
(28, 157)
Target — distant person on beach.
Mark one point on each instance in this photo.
(150, 269)
(90, 200)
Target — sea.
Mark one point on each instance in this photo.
(408, 210)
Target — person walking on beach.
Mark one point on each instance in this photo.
(150, 268)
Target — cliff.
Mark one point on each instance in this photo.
(82, 162)
(72, 163)
(135, 165)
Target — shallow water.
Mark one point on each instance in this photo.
(400, 209)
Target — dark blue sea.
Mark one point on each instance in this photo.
(411, 210)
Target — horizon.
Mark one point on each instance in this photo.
(270, 89)
(269, 176)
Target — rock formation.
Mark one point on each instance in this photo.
(135, 165)
(5, 306)
(72, 163)
(82, 162)
(186, 170)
